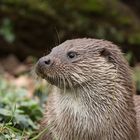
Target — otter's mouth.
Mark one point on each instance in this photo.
(57, 81)
(50, 79)
(53, 80)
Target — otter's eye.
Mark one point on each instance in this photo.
(71, 55)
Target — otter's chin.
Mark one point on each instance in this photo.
(51, 80)
(57, 82)
(40, 74)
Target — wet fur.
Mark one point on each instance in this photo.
(93, 95)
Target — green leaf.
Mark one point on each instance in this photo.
(5, 112)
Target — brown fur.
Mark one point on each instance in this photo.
(93, 93)
(137, 108)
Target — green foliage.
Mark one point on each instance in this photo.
(6, 30)
(19, 115)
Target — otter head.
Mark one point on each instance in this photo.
(78, 62)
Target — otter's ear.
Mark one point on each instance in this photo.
(107, 54)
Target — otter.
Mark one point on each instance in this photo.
(92, 97)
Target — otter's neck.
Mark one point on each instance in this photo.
(106, 107)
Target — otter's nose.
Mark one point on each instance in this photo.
(44, 62)
(47, 62)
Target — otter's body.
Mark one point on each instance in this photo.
(93, 94)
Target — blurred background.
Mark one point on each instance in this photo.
(30, 28)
